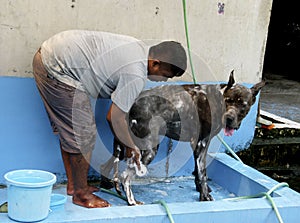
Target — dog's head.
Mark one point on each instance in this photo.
(238, 100)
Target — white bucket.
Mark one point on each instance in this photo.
(28, 194)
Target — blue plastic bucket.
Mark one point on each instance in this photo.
(28, 194)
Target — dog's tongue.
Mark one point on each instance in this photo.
(228, 131)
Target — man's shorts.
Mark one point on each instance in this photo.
(69, 110)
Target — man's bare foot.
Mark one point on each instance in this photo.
(70, 189)
(89, 200)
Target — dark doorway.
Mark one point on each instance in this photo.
(281, 94)
(283, 45)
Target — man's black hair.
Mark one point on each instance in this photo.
(172, 53)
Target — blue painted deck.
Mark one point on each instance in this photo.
(27, 142)
(225, 172)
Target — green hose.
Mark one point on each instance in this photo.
(188, 41)
(267, 194)
(229, 149)
(113, 193)
(193, 73)
(163, 203)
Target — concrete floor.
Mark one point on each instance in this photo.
(281, 97)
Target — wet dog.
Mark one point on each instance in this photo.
(191, 113)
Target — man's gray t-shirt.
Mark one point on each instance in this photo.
(103, 64)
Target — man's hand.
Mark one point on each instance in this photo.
(116, 118)
(134, 156)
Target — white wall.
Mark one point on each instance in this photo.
(235, 39)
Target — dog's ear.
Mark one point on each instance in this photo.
(231, 81)
(257, 87)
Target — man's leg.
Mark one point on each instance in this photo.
(67, 165)
(82, 195)
(58, 100)
(70, 183)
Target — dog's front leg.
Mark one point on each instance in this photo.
(105, 169)
(200, 153)
(126, 178)
(113, 162)
(116, 176)
(150, 147)
(126, 183)
(129, 173)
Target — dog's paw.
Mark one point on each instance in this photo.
(139, 202)
(106, 183)
(118, 188)
(135, 203)
(206, 197)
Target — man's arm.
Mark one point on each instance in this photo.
(117, 121)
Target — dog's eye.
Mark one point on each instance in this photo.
(241, 102)
(228, 100)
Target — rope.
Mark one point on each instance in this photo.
(265, 195)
